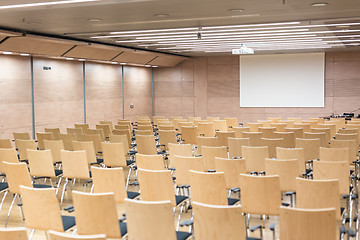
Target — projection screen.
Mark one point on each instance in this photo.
(282, 80)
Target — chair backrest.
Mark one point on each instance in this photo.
(305, 126)
(213, 222)
(206, 129)
(183, 164)
(298, 132)
(55, 131)
(5, 143)
(334, 154)
(266, 199)
(150, 162)
(220, 125)
(332, 127)
(254, 127)
(192, 119)
(296, 120)
(110, 123)
(41, 208)
(255, 138)
(89, 148)
(272, 144)
(311, 147)
(122, 127)
(41, 136)
(166, 127)
(208, 188)
(120, 139)
(113, 154)
(7, 155)
(145, 128)
(327, 132)
(298, 224)
(77, 131)
(54, 146)
(156, 185)
(83, 126)
(100, 132)
(239, 131)
(105, 128)
(41, 163)
(146, 144)
(209, 154)
(143, 132)
(17, 175)
(23, 136)
(275, 119)
(235, 146)
(95, 138)
(289, 138)
(68, 140)
(264, 123)
(207, 141)
(66, 236)
(197, 121)
(231, 123)
(189, 135)
(313, 124)
(280, 127)
(231, 168)
(23, 145)
(13, 234)
(223, 137)
(267, 132)
(96, 214)
(255, 158)
(75, 164)
(349, 131)
(166, 137)
(180, 150)
(350, 144)
(183, 124)
(211, 119)
(323, 170)
(348, 136)
(287, 170)
(292, 153)
(109, 180)
(318, 194)
(123, 132)
(150, 220)
(321, 136)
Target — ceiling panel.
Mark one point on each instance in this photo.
(137, 57)
(166, 60)
(35, 45)
(96, 52)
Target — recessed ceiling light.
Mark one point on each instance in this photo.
(122, 63)
(7, 53)
(147, 65)
(81, 59)
(320, 4)
(235, 10)
(154, 66)
(45, 3)
(94, 20)
(114, 62)
(161, 15)
(69, 59)
(24, 54)
(343, 26)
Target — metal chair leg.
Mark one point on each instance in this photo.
(179, 217)
(12, 203)
(63, 192)
(58, 185)
(128, 178)
(20, 206)
(3, 199)
(31, 234)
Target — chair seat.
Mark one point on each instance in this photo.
(41, 186)
(250, 238)
(123, 228)
(179, 199)
(58, 172)
(3, 186)
(99, 160)
(132, 195)
(182, 235)
(129, 162)
(232, 201)
(68, 222)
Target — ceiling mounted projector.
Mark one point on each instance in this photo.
(243, 50)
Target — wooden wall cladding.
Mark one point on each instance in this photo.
(15, 95)
(58, 93)
(216, 89)
(138, 91)
(137, 57)
(94, 52)
(35, 45)
(166, 60)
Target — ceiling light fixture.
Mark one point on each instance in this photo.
(94, 19)
(7, 53)
(24, 54)
(81, 59)
(161, 15)
(235, 10)
(122, 63)
(114, 62)
(147, 65)
(44, 4)
(319, 4)
(69, 59)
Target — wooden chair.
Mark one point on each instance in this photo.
(327, 132)
(5, 143)
(94, 132)
(349, 131)
(121, 127)
(184, 150)
(121, 139)
(220, 125)
(334, 154)
(107, 180)
(231, 123)
(23, 146)
(231, 168)
(77, 131)
(323, 170)
(206, 129)
(211, 119)
(235, 146)
(63, 236)
(83, 126)
(146, 144)
(267, 132)
(182, 165)
(96, 214)
(150, 162)
(239, 131)
(209, 154)
(351, 136)
(189, 135)
(145, 128)
(184, 124)
(192, 119)
(350, 144)
(287, 170)
(293, 153)
(318, 120)
(298, 224)
(89, 148)
(321, 136)
(54, 131)
(206, 141)
(311, 147)
(105, 128)
(68, 140)
(110, 123)
(13, 233)
(223, 137)
(255, 138)
(313, 124)
(166, 137)
(43, 136)
(298, 132)
(212, 222)
(275, 119)
(209, 188)
(272, 144)
(41, 210)
(166, 127)
(312, 194)
(22, 136)
(280, 127)
(7, 155)
(339, 122)
(289, 138)
(255, 158)
(296, 120)
(55, 146)
(265, 123)
(197, 121)
(96, 139)
(305, 126)
(254, 127)
(159, 226)
(332, 127)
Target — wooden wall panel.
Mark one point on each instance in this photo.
(58, 93)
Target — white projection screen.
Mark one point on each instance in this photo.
(282, 80)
